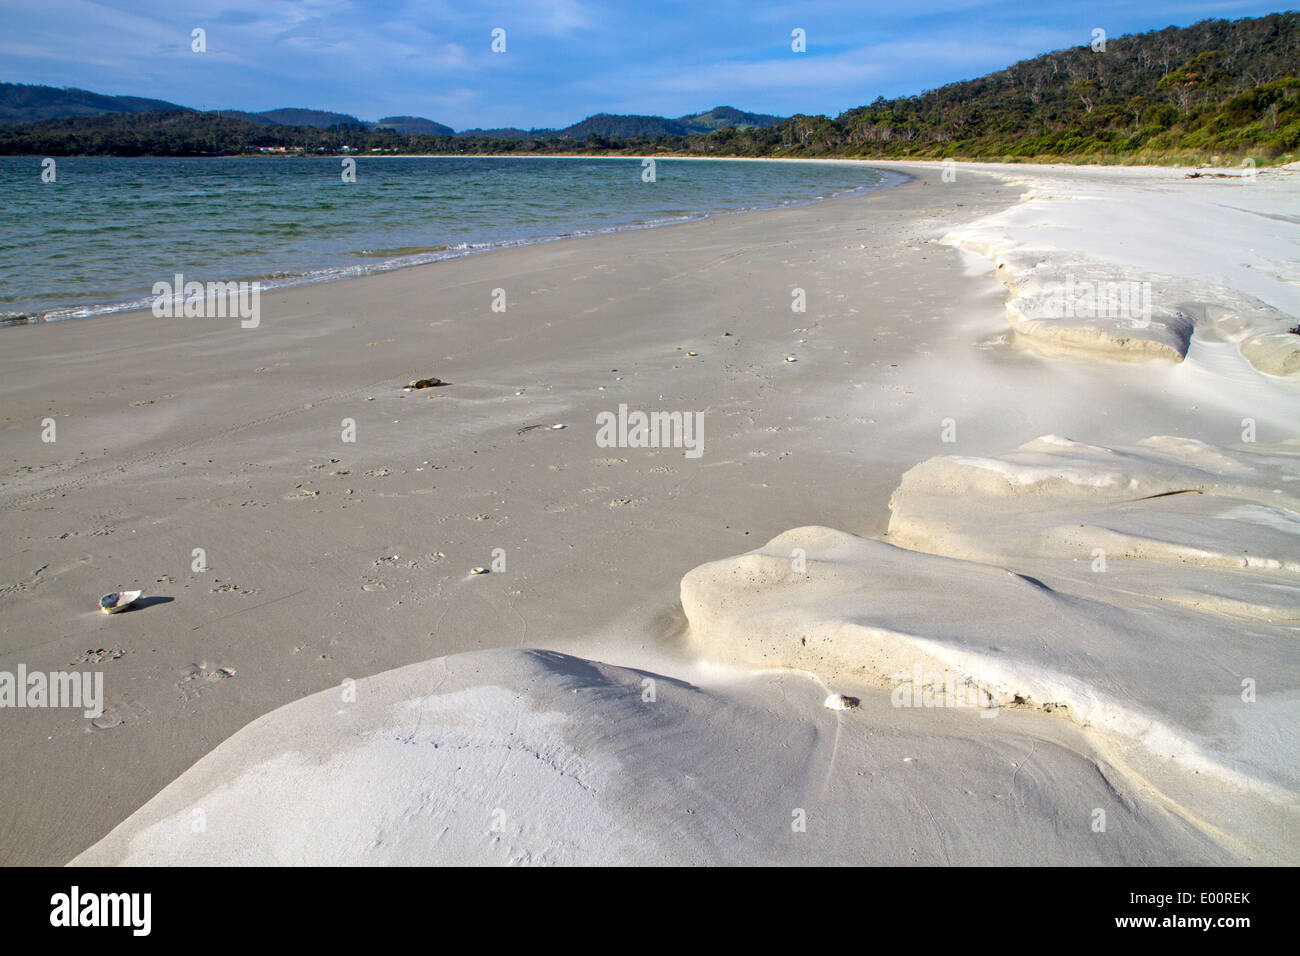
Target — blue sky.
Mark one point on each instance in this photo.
(564, 59)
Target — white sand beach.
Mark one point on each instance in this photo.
(1053, 553)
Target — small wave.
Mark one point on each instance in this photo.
(399, 251)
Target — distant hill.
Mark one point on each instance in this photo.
(25, 103)
(322, 119)
(21, 103)
(244, 117)
(613, 126)
(181, 133)
(692, 124)
(624, 126)
(413, 126)
(722, 117)
(509, 133)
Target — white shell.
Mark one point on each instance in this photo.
(478, 570)
(120, 600)
(841, 702)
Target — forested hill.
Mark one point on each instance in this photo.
(321, 119)
(25, 103)
(1217, 88)
(1218, 84)
(623, 127)
(21, 103)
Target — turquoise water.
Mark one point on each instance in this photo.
(99, 237)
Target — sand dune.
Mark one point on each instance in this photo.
(533, 757)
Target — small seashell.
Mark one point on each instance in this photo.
(558, 427)
(118, 600)
(841, 702)
(478, 570)
(791, 358)
(425, 383)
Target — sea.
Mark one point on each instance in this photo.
(83, 236)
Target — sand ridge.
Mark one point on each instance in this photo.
(1127, 267)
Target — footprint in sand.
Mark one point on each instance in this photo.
(99, 656)
(228, 588)
(109, 719)
(118, 713)
(372, 585)
(379, 473)
(196, 677)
